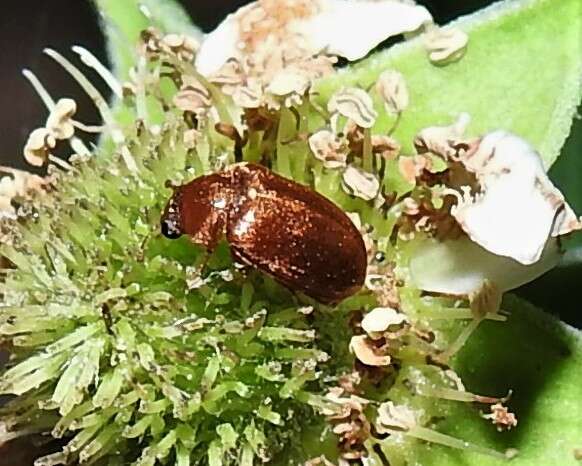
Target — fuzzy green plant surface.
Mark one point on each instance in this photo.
(125, 352)
(522, 72)
(539, 358)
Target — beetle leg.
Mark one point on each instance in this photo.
(239, 257)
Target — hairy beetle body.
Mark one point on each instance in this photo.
(276, 225)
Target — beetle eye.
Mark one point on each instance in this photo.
(170, 229)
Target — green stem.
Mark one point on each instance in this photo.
(368, 159)
(284, 132)
(430, 435)
(252, 150)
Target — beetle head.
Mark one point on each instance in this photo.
(171, 222)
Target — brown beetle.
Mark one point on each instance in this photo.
(276, 225)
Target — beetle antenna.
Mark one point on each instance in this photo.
(232, 133)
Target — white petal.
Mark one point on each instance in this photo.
(341, 27)
(288, 82)
(219, 46)
(459, 267)
(518, 208)
(351, 29)
(511, 219)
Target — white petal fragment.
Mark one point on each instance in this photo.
(219, 46)
(338, 27)
(351, 29)
(518, 208)
(288, 82)
(460, 267)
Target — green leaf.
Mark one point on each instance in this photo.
(124, 20)
(522, 72)
(169, 16)
(539, 358)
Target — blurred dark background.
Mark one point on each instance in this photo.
(27, 26)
